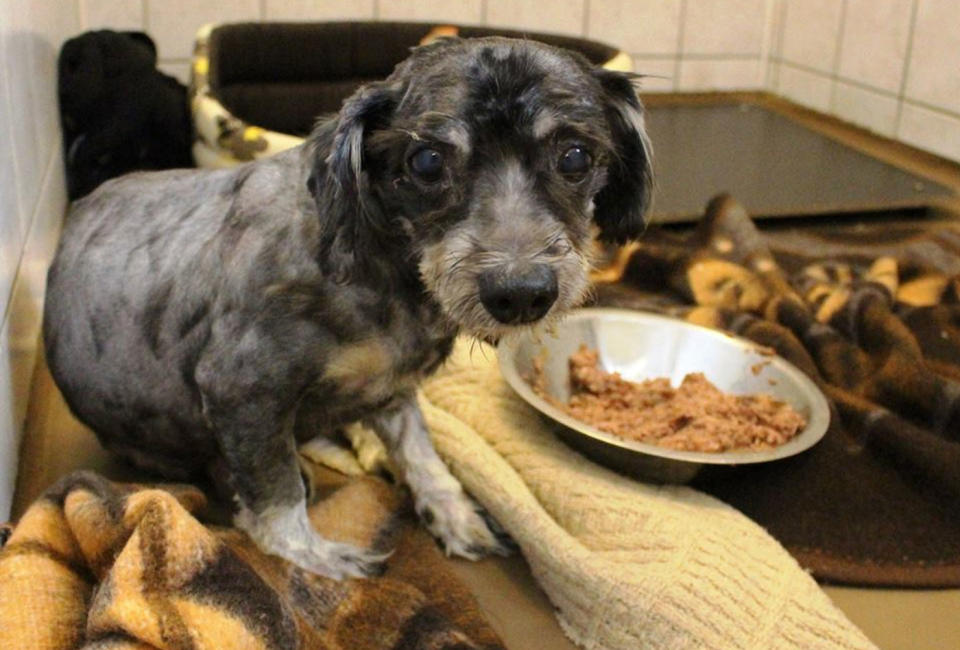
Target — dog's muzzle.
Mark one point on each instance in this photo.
(517, 298)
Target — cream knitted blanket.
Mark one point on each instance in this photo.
(627, 565)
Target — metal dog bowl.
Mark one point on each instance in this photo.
(643, 346)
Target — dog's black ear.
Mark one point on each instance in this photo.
(353, 227)
(362, 112)
(620, 207)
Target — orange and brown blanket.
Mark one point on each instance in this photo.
(870, 311)
(95, 564)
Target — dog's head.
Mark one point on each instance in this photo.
(496, 161)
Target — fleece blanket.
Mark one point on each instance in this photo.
(870, 311)
(97, 565)
(626, 564)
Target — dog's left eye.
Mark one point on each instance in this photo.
(574, 162)
(427, 164)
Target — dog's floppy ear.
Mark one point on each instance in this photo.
(620, 207)
(353, 224)
(369, 106)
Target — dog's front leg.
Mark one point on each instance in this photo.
(260, 454)
(452, 516)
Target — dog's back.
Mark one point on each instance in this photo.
(129, 300)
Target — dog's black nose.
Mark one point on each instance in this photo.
(518, 298)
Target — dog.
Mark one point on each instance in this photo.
(203, 323)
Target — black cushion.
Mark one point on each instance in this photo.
(282, 76)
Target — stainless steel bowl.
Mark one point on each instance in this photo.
(643, 346)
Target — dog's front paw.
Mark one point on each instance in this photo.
(287, 533)
(462, 526)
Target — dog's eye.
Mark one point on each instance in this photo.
(574, 162)
(427, 165)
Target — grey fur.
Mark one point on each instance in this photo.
(202, 321)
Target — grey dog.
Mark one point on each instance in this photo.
(205, 322)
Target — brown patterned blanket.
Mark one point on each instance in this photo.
(95, 564)
(872, 314)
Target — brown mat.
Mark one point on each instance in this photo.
(873, 315)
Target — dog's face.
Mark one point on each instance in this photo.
(497, 160)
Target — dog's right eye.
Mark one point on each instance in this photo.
(427, 165)
(575, 162)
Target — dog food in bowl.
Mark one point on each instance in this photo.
(695, 416)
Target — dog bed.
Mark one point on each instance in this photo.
(257, 88)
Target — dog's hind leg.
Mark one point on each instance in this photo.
(452, 516)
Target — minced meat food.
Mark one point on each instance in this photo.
(695, 416)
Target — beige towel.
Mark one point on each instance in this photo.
(627, 565)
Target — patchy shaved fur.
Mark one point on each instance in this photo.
(204, 322)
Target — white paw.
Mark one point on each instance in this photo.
(461, 525)
(337, 560)
(286, 532)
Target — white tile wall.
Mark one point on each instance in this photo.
(641, 28)
(32, 198)
(865, 107)
(931, 130)
(934, 73)
(174, 23)
(112, 14)
(873, 46)
(557, 16)
(724, 27)
(718, 74)
(467, 12)
(806, 88)
(319, 9)
(811, 33)
(891, 66)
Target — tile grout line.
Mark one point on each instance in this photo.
(901, 95)
(764, 55)
(835, 68)
(778, 54)
(680, 34)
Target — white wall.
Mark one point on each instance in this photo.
(720, 46)
(891, 66)
(32, 198)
